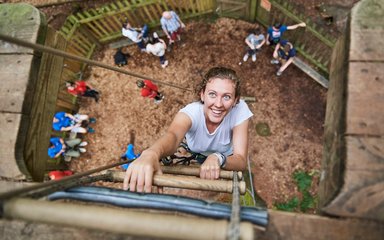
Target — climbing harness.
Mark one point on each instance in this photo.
(185, 160)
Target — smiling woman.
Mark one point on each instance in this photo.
(216, 127)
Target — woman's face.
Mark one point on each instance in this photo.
(219, 98)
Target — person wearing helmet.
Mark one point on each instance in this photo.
(150, 90)
(275, 32)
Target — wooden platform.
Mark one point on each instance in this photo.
(17, 85)
(352, 178)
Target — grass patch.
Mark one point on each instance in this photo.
(307, 201)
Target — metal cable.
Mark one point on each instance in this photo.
(233, 230)
(251, 182)
(42, 48)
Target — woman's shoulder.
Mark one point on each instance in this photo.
(192, 106)
(241, 107)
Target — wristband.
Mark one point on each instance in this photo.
(222, 159)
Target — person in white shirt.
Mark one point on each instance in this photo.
(216, 126)
(136, 35)
(157, 47)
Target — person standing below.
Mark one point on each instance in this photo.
(81, 88)
(254, 41)
(275, 32)
(150, 90)
(284, 53)
(172, 26)
(136, 35)
(70, 148)
(215, 126)
(157, 47)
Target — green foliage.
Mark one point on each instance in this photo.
(289, 206)
(247, 199)
(307, 201)
(303, 180)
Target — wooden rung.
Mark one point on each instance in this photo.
(122, 221)
(166, 180)
(195, 171)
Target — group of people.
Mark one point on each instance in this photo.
(283, 53)
(216, 125)
(66, 122)
(151, 43)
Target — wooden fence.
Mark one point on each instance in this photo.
(314, 43)
(95, 27)
(88, 29)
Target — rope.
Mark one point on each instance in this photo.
(42, 48)
(251, 182)
(233, 231)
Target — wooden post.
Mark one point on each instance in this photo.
(252, 10)
(352, 179)
(123, 221)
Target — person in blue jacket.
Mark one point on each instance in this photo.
(129, 155)
(71, 147)
(284, 54)
(67, 122)
(275, 32)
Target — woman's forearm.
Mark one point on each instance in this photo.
(236, 162)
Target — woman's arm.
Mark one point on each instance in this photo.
(261, 44)
(249, 44)
(302, 24)
(210, 169)
(139, 174)
(238, 161)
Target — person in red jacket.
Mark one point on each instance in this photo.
(150, 90)
(57, 175)
(81, 88)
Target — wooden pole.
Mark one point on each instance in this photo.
(165, 180)
(42, 48)
(195, 171)
(123, 221)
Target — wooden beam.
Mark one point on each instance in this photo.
(311, 72)
(354, 146)
(122, 221)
